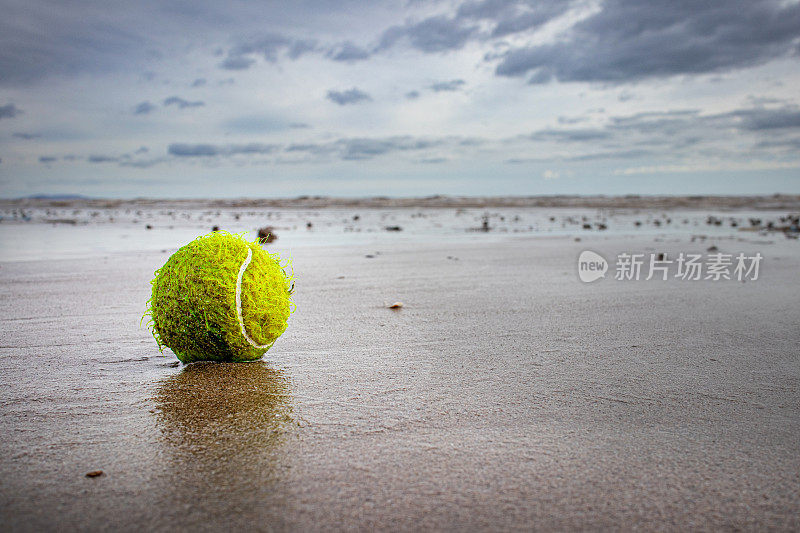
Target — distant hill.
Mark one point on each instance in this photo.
(56, 197)
(774, 201)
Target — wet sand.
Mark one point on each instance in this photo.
(505, 395)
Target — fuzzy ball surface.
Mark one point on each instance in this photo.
(193, 307)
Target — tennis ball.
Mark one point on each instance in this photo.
(220, 298)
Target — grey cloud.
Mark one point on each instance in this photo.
(269, 46)
(199, 82)
(181, 103)
(355, 149)
(361, 148)
(789, 144)
(677, 132)
(529, 20)
(26, 136)
(629, 40)
(572, 120)
(348, 52)
(434, 34)
(256, 123)
(252, 148)
(625, 137)
(312, 148)
(47, 159)
(412, 95)
(210, 150)
(573, 135)
(299, 125)
(518, 24)
(669, 122)
(513, 16)
(192, 150)
(9, 110)
(143, 108)
(102, 159)
(237, 63)
(540, 77)
(448, 86)
(758, 101)
(770, 119)
(484, 9)
(42, 39)
(365, 148)
(688, 126)
(300, 147)
(142, 150)
(301, 47)
(350, 96)
(676, 129)
(60, 38)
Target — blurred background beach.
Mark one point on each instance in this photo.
(38, 228)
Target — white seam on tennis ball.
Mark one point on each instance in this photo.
(253, 343)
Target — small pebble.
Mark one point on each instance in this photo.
(396, 305)
(94, 473)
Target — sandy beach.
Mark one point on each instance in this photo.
(505, 395)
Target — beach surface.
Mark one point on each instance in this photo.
(504, 395)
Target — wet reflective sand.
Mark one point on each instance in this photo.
(504, 395)
(228, 421)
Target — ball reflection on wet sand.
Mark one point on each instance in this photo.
(221, 422)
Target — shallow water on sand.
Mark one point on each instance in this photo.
(39, 233)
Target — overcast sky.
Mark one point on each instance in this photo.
(206, 98)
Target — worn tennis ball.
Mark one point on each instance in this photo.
(220, 298)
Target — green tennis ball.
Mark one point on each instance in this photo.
(210, 304)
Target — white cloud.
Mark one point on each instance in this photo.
(550, 174)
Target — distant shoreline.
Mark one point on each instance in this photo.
(775, 201)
